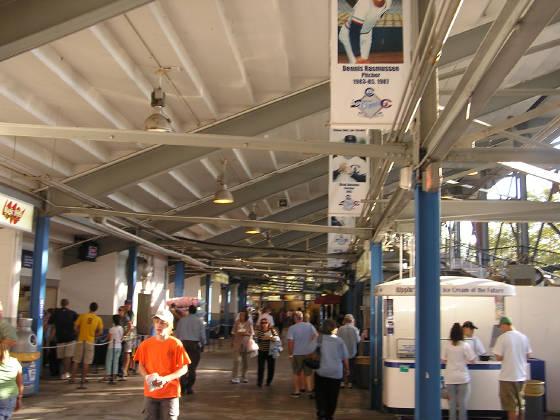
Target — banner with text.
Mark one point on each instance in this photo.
(348, 175)
(349, 179)
(370, 60)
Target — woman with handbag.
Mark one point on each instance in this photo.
(456, 354)
(242, 339)
(264, 335)
(332, 368)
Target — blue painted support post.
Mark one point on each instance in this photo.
(39, 286)
(131, 271)
(179, 288)
(226, 310)
(427, 394)
(376, 329)
(241, 296)
(208, 305)
(359, 292)
(349, 297)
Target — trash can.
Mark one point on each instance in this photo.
(534, 399)
(362, 372)
(26, 352)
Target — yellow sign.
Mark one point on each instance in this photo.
(16, 213)
(221, 278)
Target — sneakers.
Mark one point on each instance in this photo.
(295, 395)
(65, 376)
(235, 381)
(245, 380)
(350, 385)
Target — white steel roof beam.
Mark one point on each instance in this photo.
(50, 58)
(243, 163)
(183, 56)
(273, 159)
(75, 225)
(393, 152)
(185, 183)
(45, 113)
(234, 48)
(283, 43)
(158, 193)
(512, 33)
(128, 202)
(210, 168)
(128, 65)
(39, 155)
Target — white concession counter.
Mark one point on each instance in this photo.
(398, 385)
(462, 298)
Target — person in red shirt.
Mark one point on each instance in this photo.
(162, 360)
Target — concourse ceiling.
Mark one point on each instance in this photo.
(247, 83)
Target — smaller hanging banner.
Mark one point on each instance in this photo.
(348, 176)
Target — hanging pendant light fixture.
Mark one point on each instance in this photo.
(253, 230)
(222, 195)
(158, 121)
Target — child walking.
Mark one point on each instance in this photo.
(114, 349)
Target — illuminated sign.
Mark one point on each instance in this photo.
(16, 213)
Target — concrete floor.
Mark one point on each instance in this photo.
(214, 398)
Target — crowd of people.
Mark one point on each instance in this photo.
(70, 340)
(168, 359)
(512, 348)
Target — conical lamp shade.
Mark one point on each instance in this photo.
(223, 196)
(158, 122)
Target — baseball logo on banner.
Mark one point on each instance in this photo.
(369, 60)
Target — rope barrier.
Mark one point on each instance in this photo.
(128, 339)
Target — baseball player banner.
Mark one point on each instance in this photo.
(370, 60)
(339, 242)
(348, 175)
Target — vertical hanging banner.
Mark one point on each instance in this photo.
(348, 175)
(349, 179)
(370, 60)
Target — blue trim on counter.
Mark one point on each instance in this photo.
(476, 366)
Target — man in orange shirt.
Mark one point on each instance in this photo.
(162, 360)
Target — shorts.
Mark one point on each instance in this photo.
(126, 346)
(89, 350)
(298, 365)
(64, 350)
(512, 395)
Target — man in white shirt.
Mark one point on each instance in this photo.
(300, 337)
(351, 337)
(471, 339)
(266, 314)
(512, 349)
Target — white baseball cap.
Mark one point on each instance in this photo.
(165, 316)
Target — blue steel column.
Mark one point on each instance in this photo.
(131, 271)
(427, 331)
(179, 288)
(39, 285)
(375, 329)
(241, 296)
(208, 305)
(349, 297)
(226, 310)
